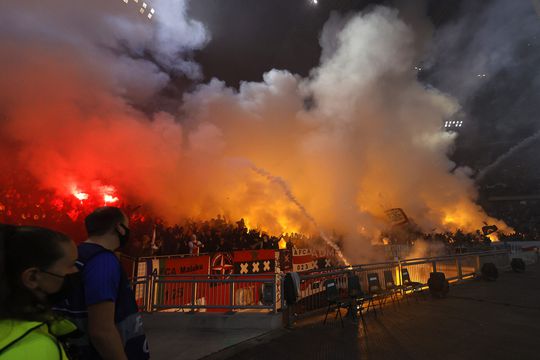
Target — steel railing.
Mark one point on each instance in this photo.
(263, 291)
(455, 267)
(207, 292)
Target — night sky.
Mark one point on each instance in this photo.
(251, 37)
(282, 34)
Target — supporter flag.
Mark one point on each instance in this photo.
(185, 265)
(181, 293)
(489, 229)
(323, 263)
(325, 258)
(222, 264)
(254, 261)
(285, 260)
(303, 260)
(396, 216)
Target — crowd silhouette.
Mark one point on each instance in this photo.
(23, 203)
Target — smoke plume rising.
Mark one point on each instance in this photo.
(369, 140)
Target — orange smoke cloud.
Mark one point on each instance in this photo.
(371, 141)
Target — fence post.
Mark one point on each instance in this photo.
(153, 284)
(281, 291)
(477, 270)
(434, 262)
(459, 269)
(146, 296)
(231, 295)
(193, 296)
(400, 274)
(135, 268)
(276, 276)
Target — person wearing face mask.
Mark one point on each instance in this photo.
(104, 306)
(37, 268)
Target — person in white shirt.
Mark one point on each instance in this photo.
(194, 245)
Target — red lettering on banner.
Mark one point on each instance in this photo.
(182, 293)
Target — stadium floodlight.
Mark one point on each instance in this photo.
(449, 124)
(144, 9)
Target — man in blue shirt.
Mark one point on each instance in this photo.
(104, 306)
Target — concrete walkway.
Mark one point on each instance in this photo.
(478, 320)
(190, 336)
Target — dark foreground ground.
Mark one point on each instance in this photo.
(478, 320)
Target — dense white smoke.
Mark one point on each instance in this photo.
(357, 137)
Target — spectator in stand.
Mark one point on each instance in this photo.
(223, 246)
(194, 245)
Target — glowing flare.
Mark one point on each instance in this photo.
(80, 195)
(109, 199)
(493, 237)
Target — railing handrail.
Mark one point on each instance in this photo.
(213, 281)
(442, 257)
(410, 261)
(487, 252)
(202, 276)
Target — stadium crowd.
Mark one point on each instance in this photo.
(22, 203)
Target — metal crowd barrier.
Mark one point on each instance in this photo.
(217, 293)
(221, 293)
(455, 267)
(141, 288)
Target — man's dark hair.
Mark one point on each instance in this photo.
(102, 220)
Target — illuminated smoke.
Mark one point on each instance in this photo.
(522, 144)
(370, 140)
(283, 184)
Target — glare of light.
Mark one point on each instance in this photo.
(109, 199)
(80, 195)
(314, 2)
(494, 237)
(282, 244)
(143, 8)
